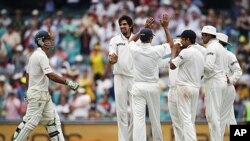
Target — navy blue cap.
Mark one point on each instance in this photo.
(145, 34)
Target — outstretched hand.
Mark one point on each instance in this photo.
(149, 22)
(165, 20)
(73, 85)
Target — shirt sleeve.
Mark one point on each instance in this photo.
(164, 63)
(234, 66)
(181, 58)
(210, 57)
(162, 50)
(112, 47)
(44, 62)
(167, 48)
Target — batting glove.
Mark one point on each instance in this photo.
(73, 85)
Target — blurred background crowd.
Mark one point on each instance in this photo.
(83, 29)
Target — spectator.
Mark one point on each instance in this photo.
(243, 24)
(63, 107)
(35, 19)
(11, 39)
(97, 61)
(80, 105)
(18, 21)
(12, 106)
(105, 106)
(19, 59)
(5, 19)
(70, 41)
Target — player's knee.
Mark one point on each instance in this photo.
(33, 122)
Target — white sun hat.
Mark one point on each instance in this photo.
(209, 30)
(222, 37)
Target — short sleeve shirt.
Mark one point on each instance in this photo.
(146, 58)
(191, 66)
(37, 68)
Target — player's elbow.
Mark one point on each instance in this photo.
(172, 66)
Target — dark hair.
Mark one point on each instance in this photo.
(190, 34)
(145, 39)
(128, 20)
(192, 40)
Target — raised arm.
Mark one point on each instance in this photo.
(164, 23)
(148, 24)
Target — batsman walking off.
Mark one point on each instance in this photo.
(40, 107)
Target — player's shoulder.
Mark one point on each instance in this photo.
(116, 37)
(38, 54)
(231, 54)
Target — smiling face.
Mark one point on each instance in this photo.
(124, 27)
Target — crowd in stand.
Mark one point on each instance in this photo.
(82, 50)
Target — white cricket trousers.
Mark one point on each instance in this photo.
(40, 109)
(144, 93)
(214, 90)
(227, 112)
(187, 98)
(176, 123)
(123, 85)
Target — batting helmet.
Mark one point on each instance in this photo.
(40, 36)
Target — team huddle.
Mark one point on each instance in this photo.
(136, 66)
(136, 73)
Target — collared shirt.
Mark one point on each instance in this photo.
(37, 69)
(191, 66)
(124, 64)
(234, 71)
(215, 60)
(146, 60)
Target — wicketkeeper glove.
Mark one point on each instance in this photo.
(73, 85)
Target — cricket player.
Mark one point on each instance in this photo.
(146, 90)
(172, 98)
(215, 80)
(40, 108)
(190, 62)
(234, 73)
(121, 59)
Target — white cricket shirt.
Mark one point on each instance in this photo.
(215, 60)
(234, 71)
(200, 48)
(172, 77)
(124, 64)
(37, 68)
(191, 66)
(146, 60)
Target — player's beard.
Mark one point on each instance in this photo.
(183, 46)
(124, 31)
